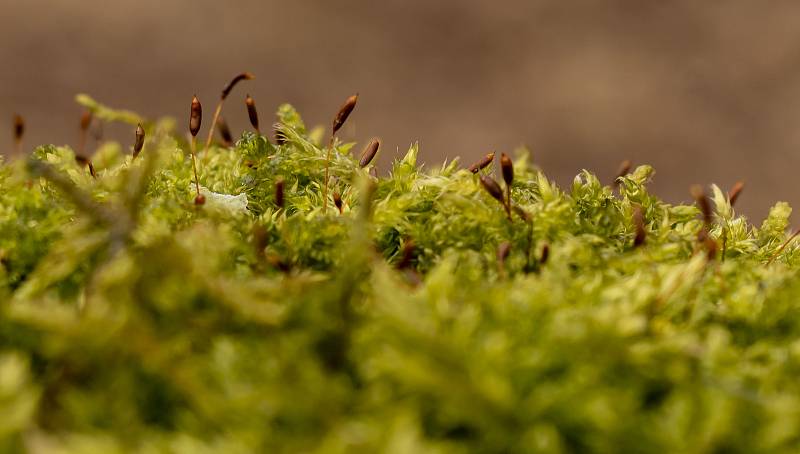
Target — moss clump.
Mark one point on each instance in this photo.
(132, 320)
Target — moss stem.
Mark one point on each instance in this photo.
(194, 164)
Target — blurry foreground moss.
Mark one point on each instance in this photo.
(131, 320)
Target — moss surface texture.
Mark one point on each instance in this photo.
(419, 318)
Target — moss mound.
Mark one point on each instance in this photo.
(133, 320)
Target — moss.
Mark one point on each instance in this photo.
(132, 320)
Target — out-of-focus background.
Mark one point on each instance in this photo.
(704, 91)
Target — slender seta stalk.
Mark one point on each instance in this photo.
(80, 155)
(195, 118)
(735, 191)
(783, 246)
(338, 121)
(226, 90)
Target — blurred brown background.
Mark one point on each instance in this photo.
(704, 91)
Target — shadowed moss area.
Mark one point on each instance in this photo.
(134, 321)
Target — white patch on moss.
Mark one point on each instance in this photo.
(233, 204)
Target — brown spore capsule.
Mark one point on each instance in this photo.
(482, 163)
(224, 132)
(492, 188)
(19, 127)
(139, 143)
(344, 112)
(507, 169)
(84, 161)
(369, 152)
(86, 120)
(279, 188)
(19, 131)
(407, 255)
(735, 191)
(337, 201)
(195, 116)
(252, 113)
(545, 254)
(638, 223)
(226, 90)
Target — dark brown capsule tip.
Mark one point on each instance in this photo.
(507, 169)
(252, 113)
(200, 200)
(492, 188)
(735, 191)
(226, 90)
(638, 223)
(224, 132)
(369, 152)
(139, 144)
(279, 188)
(195, 116)
(19, 127)
(482, 163)
(86, 120)
(344, 112)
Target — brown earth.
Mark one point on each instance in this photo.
(704, 91)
